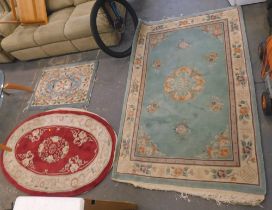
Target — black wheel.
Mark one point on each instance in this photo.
(103, 15)
(261, 49)
(266, 103)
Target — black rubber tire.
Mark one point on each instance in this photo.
(261, 49)
(98, 4)
(266, 103)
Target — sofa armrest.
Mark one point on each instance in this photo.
(4, 56)
(7, 28)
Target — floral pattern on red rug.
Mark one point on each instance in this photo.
(60, 152)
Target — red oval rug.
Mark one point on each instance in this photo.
(62, 152)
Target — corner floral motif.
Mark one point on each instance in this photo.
(74, 164)
(184, 44)
(215, 30)
(241, 77)
(152, 107)
(244, 111)
(81, 137)
(156, 39)
(220, 148)
(184, 84)
(145, 146)
(216, 104)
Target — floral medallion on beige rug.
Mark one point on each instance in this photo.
(65, 85)
(189, 120)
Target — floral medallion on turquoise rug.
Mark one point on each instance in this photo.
(189, 120)
(64, 85)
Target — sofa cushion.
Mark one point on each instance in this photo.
(54, 30)
(21, 38)
(77, 2)
(7, 29)
(88, 43)
(29, 54)
(78, 25)
(59, 48)
(55, 5)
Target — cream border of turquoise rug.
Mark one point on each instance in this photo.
(236, 195)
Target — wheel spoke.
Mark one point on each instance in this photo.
(108, 16)
(116, 43)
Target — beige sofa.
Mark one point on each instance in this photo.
(67, 31)
(5, 30)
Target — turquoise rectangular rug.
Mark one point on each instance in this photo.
(189, 120)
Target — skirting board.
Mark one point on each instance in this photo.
(243, 2)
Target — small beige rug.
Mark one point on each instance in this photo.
(67, 85)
